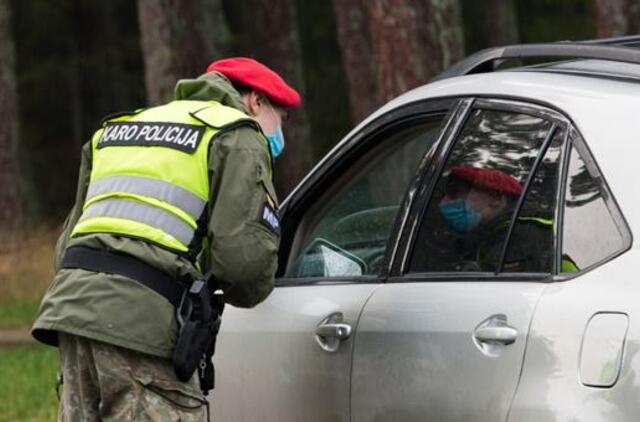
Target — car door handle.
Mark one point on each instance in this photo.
(496, 334)
(340, 331)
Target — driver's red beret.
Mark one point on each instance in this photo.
(490, 179)
(255, 75)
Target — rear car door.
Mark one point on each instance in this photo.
(444, 338)
(289, 359)
(582, 353)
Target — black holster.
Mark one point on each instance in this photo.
(198, 317)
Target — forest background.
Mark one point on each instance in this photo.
(65, 64)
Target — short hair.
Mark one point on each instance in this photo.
(242, 89)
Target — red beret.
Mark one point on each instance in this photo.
(490, 179)
(253, 74)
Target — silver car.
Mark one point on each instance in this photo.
(386, 311)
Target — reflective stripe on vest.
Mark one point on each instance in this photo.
(142, 213)
(154, 188)
(146, 187)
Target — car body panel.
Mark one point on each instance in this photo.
(416, 358)
(551, 388)
(269, 365)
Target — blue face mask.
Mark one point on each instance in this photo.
(459, 217)
(276, 142)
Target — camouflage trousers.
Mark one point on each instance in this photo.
(110, 383)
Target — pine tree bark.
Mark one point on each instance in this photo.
(355, 44)
(273, 39)
(611, 17)
(392, 46)
(10, 199)
(179, 39)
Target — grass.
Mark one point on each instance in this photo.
(27, 374)
(26, 265)
(17, 314)
(27, 384)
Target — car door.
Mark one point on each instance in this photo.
(444, 338)
(289, 359)
(582, 354)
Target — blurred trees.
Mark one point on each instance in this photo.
(490, 23)
(355, 42)
(272, 37)
(616, 17)
(76, 62)
(553, 20)
(179, 39)
(10, 200)
(392, 46)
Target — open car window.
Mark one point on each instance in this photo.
(345, 232)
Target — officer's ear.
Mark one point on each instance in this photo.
(254, 101)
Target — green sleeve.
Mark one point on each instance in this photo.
(76, 211)
(243, 250)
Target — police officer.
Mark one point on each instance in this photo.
(165, 194)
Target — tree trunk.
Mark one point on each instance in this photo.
(355, 44)
(611, 17)
(273, 38)
(179, 39)
(10, 200)
(401, 42)
(446, 28)
(392, 46)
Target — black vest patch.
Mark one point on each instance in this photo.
(269, 218)
(179, 136)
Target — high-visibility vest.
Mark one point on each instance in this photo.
(149, 174)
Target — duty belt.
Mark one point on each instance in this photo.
(127, 266)
(197, 311)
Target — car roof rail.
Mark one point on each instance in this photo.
(626, 40)
(483, 61)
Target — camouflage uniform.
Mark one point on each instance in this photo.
(105, 382)
(114, 317)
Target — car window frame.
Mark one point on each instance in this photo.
(339, 161)
(400, 264)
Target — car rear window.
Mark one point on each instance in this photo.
(593, 228)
